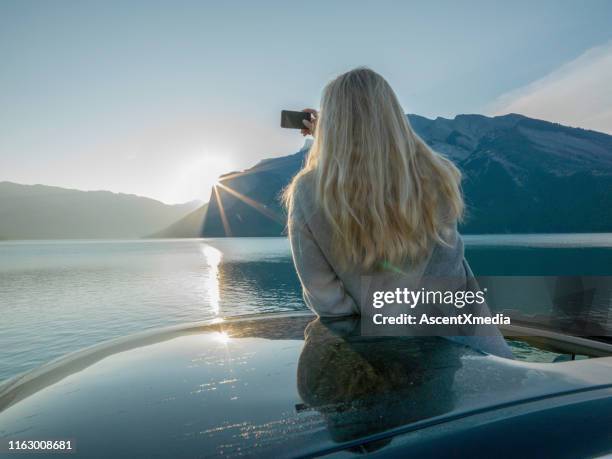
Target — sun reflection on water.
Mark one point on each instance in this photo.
(213, 259)
(222, 337)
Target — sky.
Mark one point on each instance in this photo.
(159, 98)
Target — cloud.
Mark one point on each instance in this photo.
(579, 93)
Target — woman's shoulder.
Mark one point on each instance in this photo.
(304, 182)
(303, 201)
(304, 189)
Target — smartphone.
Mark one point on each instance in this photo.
(294, 120)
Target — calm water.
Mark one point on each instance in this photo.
(60, 296)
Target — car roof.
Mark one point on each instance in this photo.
(274, 385)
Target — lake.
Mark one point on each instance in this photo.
(60, 296)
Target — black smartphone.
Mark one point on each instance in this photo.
(294, 120)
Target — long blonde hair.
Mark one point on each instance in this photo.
(386, 193)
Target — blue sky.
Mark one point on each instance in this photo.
(158, 98)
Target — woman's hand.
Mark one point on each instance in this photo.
(310, 126)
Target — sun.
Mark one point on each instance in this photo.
(197, 175)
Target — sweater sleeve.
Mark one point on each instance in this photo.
(323, 291)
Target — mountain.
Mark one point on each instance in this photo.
(47, 212)
(188, 226)
(521, 175)
(250, 199)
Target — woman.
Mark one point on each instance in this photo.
(373, 200)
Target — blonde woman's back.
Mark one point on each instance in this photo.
(309, 227)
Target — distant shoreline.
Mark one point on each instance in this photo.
(469, 239)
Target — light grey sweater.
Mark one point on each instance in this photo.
(331, 291)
